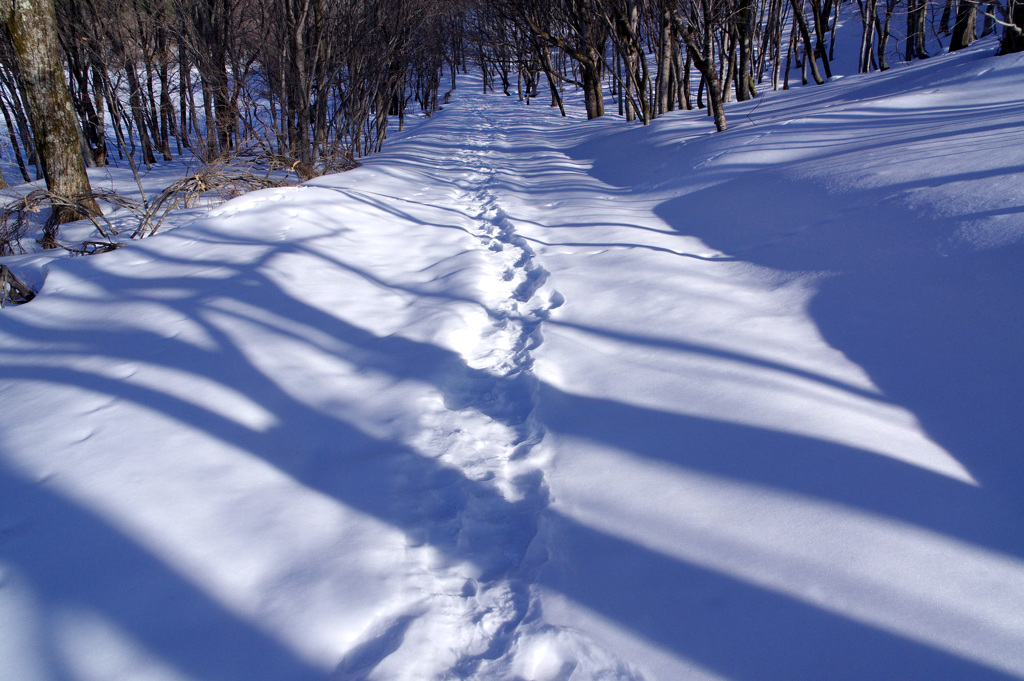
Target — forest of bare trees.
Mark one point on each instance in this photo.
(311, 85)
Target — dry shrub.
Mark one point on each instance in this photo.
(224, 178)
(221, 179)
(19, 217)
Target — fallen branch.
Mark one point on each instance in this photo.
(12, 289)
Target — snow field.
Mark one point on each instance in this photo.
(536, 399)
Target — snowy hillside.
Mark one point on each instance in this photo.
(543, 399)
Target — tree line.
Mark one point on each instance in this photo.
(644, 51)
(312, 84)
(307, 80)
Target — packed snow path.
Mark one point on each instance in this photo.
(536, 399)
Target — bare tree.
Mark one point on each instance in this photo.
(701, 51)
(917, 22)
(32, 30)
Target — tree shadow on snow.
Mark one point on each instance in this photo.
(88, 582)
(943, 368)
(937, 329)
(757, 633)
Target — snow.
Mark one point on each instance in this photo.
(543, 399)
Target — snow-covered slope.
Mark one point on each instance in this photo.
(545, 399)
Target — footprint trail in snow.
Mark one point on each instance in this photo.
(481, 508)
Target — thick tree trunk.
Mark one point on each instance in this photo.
(964, 28)
(33, 28)
(1013, 36)
(744, 34)
(593, 92)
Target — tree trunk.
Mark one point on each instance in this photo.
(665, 57)
(93, 144)
(805, 34)
(883, 34)
(728, 74)
(917, 15)
(684, 90)
(548, 67)
(139, 113)
(920, 28)
(1013, 36)
(744, 33)
(166, 112)
(33, 28)
(964, 28)
(869, 15)
(820, 21)
(706, 67)
(186, 103)
(593, 92)
(947, 14)
(989, 27)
